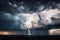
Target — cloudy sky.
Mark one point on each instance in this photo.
(28, 15)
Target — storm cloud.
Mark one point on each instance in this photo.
(20, 15)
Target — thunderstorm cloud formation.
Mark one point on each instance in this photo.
(20, 15)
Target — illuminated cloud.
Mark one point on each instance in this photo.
(47, 14)
(31, 20)
(28, 20)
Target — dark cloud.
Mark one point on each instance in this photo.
(8, 8)
(8, 21)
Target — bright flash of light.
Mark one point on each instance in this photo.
(54, 31)
(29, 19)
